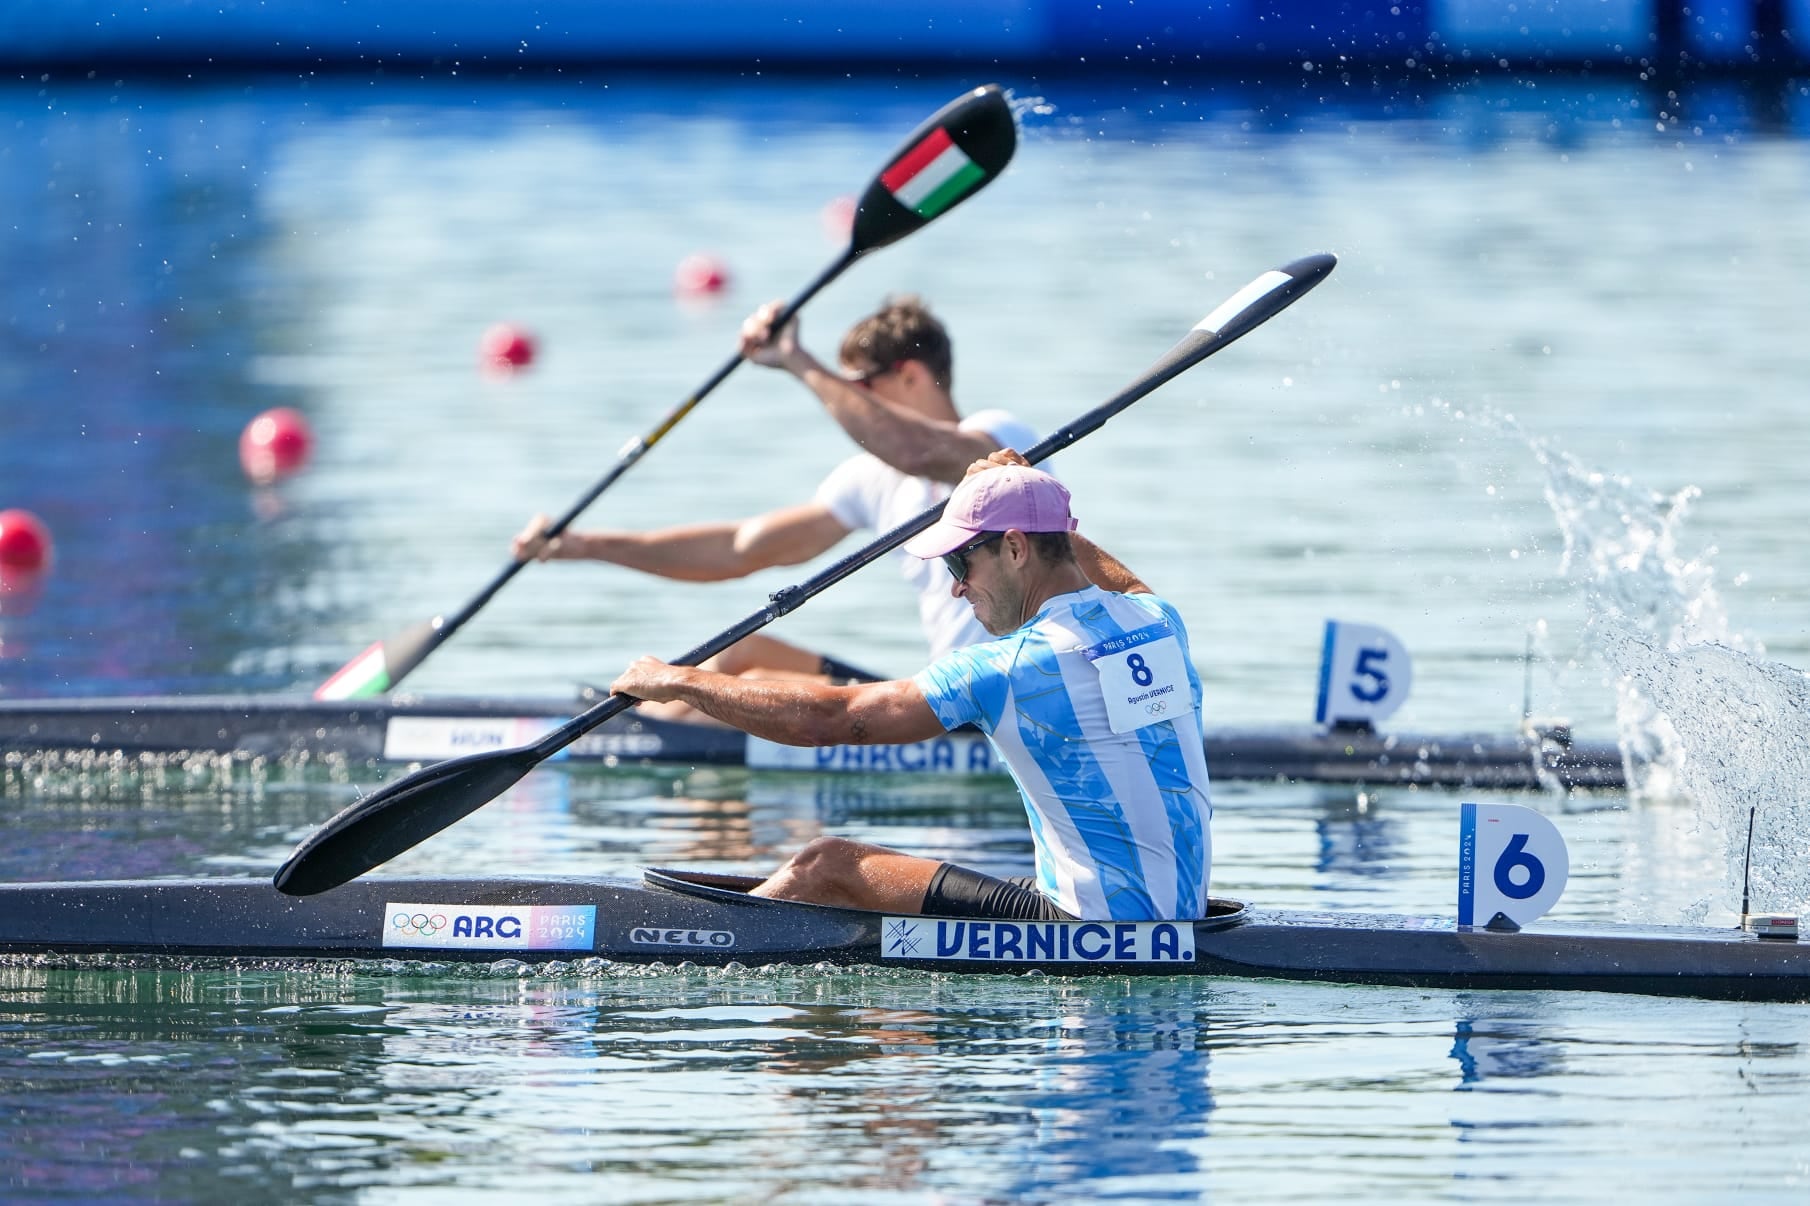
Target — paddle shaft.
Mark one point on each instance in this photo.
(632, 452)
(1241, 313)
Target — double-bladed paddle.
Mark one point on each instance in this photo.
(417, 806)
(948, 159)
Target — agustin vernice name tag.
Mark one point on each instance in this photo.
(1037, 941)
(1143, 676)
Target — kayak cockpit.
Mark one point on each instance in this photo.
(1222, 913)
(711, 883)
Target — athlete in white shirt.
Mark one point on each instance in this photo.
(1088, 694)
(893, 398)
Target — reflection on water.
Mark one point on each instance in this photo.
(155, 1076)
(1502, 1051)
(1083, 1088)
(831, 1081)
(1355, 840)
(1530, 1067)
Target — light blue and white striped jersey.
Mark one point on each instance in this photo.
(1120, 819)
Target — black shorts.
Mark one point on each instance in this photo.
(958, 892)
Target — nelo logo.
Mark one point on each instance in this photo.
(650, 936)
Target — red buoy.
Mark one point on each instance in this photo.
(25, 544)
(274, 445)
(506, 349)
(700, 275)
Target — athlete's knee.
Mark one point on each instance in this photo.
(821, 853)
(826, 861)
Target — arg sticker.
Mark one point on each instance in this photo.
(1365, 674)
(1511, 860)
(490, 927)
(1037, 941)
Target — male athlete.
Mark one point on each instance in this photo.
(1088, 695)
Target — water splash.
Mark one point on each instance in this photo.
(1736, 738)
(1621, 547)
(1700, 712)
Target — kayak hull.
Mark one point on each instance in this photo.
(671, 918)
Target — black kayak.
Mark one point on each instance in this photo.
(74, 733)
(674, 917)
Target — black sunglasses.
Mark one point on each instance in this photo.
(957, 561)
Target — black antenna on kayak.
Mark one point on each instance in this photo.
(1747, 863)
(1767, 925)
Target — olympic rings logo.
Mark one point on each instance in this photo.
(1156, 708)
(418, 925)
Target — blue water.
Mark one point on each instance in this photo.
(1551, 399)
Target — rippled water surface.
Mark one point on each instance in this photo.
(585, 1082)
(1551, 402)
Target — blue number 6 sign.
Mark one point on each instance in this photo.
(1511, 860)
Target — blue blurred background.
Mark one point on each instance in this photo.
(1668, 37)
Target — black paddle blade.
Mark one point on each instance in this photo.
(946, 160)
(1266, 297)
(399, 816)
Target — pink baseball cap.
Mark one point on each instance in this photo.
(1011, 496)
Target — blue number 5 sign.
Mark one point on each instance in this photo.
(1364, 674)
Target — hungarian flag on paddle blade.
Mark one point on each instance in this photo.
(365, 675)
(946, 160)
(384, 664)
(932, 176)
